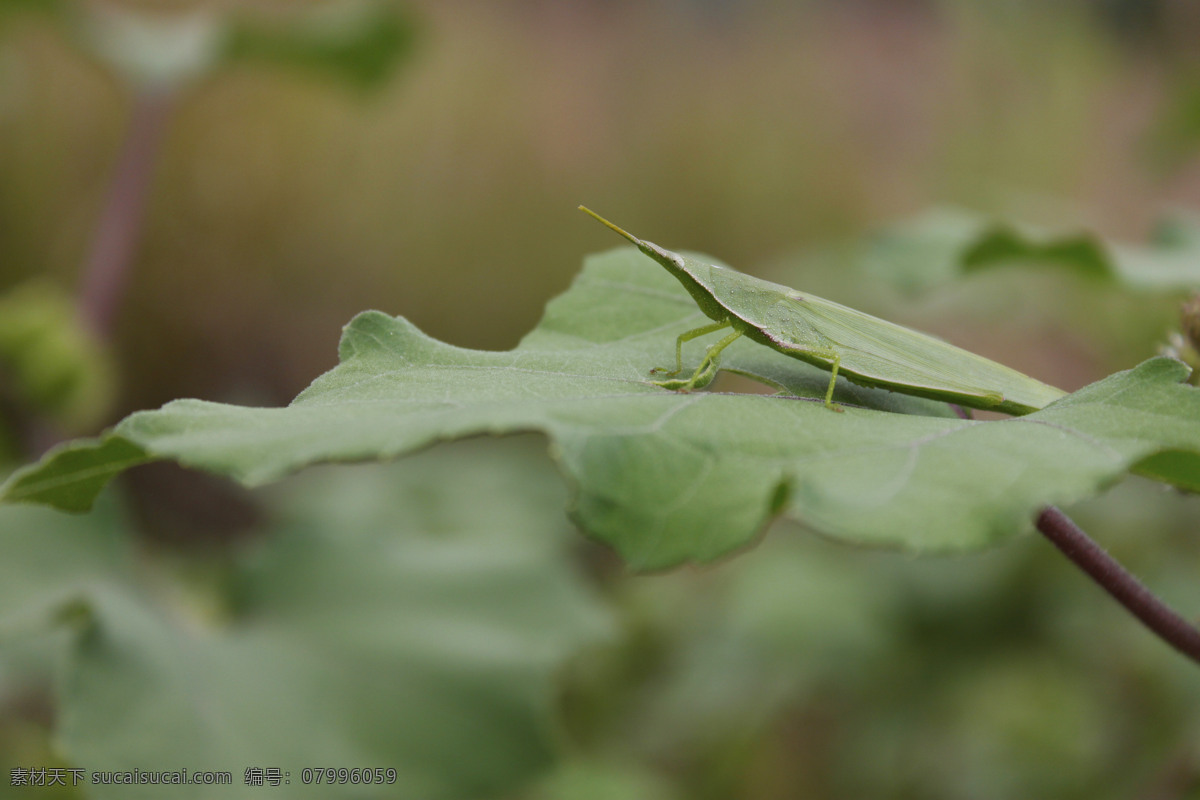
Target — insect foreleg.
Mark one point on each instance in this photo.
(687, 337)
(707, 368)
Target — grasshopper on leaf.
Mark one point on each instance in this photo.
(866, 350)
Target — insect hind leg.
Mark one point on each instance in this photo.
(833, 369)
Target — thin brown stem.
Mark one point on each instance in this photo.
(1119, 582)
(106, 270)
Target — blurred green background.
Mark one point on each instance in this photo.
(434, 172)
(284, 202)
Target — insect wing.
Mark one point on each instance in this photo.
(890, 355)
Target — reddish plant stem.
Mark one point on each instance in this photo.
(106, 270)
(1119, 582)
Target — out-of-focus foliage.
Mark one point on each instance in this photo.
(582, 779)
(945, 243)
(1118, 302)
(359, 43)
(50, 365)
(411, 618)
(159, 52)
(808, 669)
(276, 196)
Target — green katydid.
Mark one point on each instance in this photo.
(865, 349)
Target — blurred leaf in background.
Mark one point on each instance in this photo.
(50, 364)
(805, 668)
(412, 618)
(147, 49)
(358, 42)
(290, 207)
(1092, 305)
(943, 244)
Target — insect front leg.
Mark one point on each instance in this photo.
(708, 367)
(687, 337)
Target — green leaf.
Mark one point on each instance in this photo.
(666, 477)
(48, 559)
(414, 618)
(52, 363)
(358, 43)
(153, 51)
(592, 780)
(74, 473)
(939, 245)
